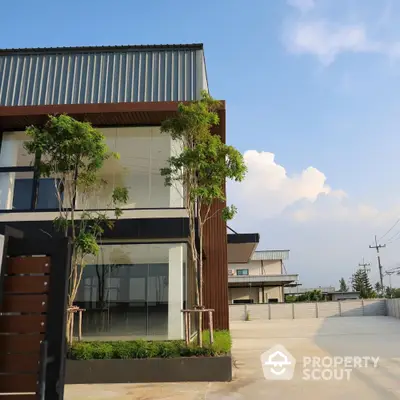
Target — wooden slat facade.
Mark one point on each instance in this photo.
(21, 343)
(28, 265)
(31, 303)
(17, 383)
(216, 257)
(17, 363)
(22, 323)
(26, 284)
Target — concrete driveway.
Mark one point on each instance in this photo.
(319, 338)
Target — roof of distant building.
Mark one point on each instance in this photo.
(266, 255)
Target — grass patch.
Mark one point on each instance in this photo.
(148, 349)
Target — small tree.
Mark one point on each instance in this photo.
(201, 169)
(379, 289)
(72, 153)
(343, 285)
(360, 282)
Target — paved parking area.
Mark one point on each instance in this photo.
(340, 337)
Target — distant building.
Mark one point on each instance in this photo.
(329, 293)
(259, 279)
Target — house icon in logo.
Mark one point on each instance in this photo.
(278, 364)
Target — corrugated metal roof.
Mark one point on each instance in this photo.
(263, 278)
(141, 47)
(266, 255)
(110, 74)
(299, 289)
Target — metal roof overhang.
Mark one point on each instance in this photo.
(241, 247)
(101, 115)
(258, 280)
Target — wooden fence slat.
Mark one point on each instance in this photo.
(16, 363)
(18, 383)
(24, 303)
(28, 265)
(20, 343)
(22, 323)
(26, 284)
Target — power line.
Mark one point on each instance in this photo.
(393, 226)
(377, 247)
(393, 238)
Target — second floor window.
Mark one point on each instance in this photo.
(242, 271)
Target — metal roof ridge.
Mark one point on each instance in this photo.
(261, 251)
(197, 46)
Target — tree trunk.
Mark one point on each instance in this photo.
(200, 261)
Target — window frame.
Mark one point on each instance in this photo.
(242, 269)
(35, 188)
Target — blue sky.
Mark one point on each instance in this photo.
(315, 82)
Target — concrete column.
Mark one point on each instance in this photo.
(8, 158)
(175, 293)
(260, 295)
(176, 190)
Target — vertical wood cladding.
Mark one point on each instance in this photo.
(216, 263)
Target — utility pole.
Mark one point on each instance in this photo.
(365, 265)
(377, 247)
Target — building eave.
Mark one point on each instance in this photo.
(257, 280)
(13, 118)
(241, 247)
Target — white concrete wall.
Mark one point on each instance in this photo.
(393, 308)
(245, 293)
(273, 267)
(329, 309)
(255, 293)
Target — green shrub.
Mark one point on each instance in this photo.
(147, 349)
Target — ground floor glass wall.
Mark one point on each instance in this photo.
(134, 291)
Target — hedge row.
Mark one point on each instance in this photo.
(98, 350)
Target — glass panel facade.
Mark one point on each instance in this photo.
(12, 152)
(143, 151)
(134, 291)
(16, 190)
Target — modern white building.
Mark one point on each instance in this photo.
(261, 279)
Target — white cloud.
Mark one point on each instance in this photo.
(302, 5)
(268, 190)
(326, 39)
(327, 232)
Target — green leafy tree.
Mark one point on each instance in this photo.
(311, 296)
(343, 286)
(72, 153)
(360, 282)
(379, 289)
(201, 168)
(392, 293)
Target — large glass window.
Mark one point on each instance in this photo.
(18, 188)
(143, 152)
(134, 291)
